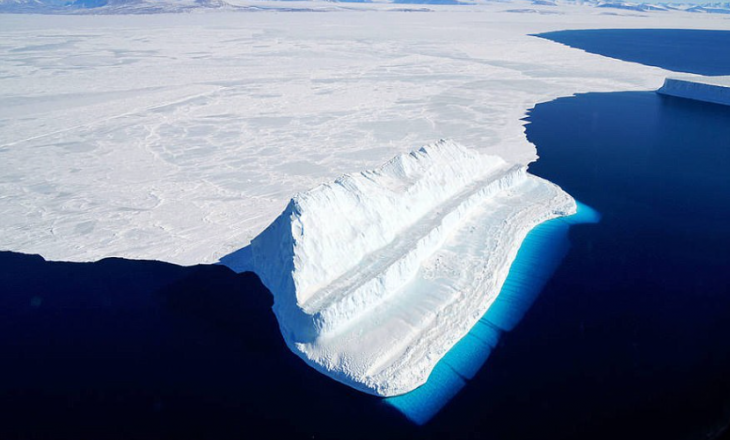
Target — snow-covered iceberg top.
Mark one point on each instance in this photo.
(714, 89)
(376, 275)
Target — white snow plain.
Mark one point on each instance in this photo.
(181, 137)
(377, 275)
(714, 89)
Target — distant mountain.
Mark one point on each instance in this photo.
(708, 9)
(109, 6)
(176, 6)
(718, 5)
(641, 7)
(711, 8)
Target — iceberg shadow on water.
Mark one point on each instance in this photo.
(538, 258)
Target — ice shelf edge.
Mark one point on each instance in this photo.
(714, 90)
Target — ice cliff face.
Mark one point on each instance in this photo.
(377, 275)
(708, 89)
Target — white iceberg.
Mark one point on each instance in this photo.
(377, 275)
(714, 89)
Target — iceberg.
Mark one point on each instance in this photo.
(713, 89)
(541, 253)
(376, 275)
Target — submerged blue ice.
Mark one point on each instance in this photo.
(539, 256)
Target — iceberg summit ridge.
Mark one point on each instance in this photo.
(377, 274)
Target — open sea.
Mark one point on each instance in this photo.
(705, 52)
(613, 324)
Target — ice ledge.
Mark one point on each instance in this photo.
(377, 275)
(713, 89)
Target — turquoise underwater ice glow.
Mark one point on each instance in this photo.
(539, 256)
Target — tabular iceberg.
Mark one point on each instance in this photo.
(714, 89)
(377, 275)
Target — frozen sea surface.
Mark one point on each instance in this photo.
(180, 137)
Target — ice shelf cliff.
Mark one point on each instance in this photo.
(377, 275)
(714, 89)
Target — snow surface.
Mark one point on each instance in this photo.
(715, 89)
(181, 137)
(377, 275)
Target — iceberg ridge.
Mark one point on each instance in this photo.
(376, 275)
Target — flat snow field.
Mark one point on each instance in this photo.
(181, 137)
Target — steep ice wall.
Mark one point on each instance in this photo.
(377, 275)
(708, 89)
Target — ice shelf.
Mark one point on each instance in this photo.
(714, 89)
(377, 275)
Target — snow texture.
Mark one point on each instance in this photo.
(376, 275)
(181, 137)
(708, 89)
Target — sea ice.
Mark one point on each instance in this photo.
(181, 137)
(376, 275)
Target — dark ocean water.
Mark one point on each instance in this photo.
(705, 52)
(122, 349)
(647, 291)
(629, 338)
